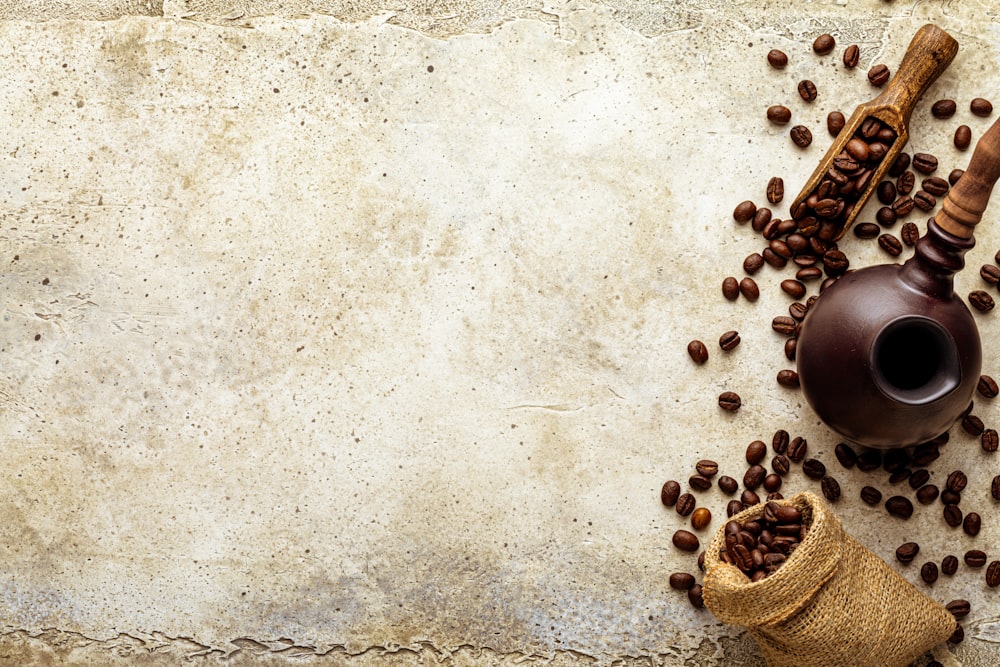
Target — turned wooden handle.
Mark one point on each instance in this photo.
(930, 52)
(963, 207)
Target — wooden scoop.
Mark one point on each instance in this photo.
(928, 55)
(964, 204)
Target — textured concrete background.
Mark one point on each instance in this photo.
(343, 332)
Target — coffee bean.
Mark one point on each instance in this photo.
(902, 206)
(949, 497)
(774, 259)
(973, 425)
(943, 108)
(949, 565)
(870, 495)
(777, 59)
(845, 455)
(744, 212)
(760, 219)
(899, 506)
(797, 448)
(728, 485)
(835, 262)
(753, 263)
(993, 574)
(959, 608)
(731, 288)
(927, 494)
(780, 248)
(809, 273)
(886, 217)
(909, 234)
(958, 636)
(895, 459)
(867, 230)
(729, 340)
(801, 136)
(952, 515)
(788, 378)
(695, 596)
(793, 288)
(990, 440)
(890, 244)
(963, 137)
(924, 200)
(778, 114)
(772, 482)
(681, 581)
(972, 524)
(670, 492)
(851, 56)
(835, 122)
(935, 185)
(981, 301)
(857, 149)
(749, 289)
(975, 558)
(925, 454)
(697, 351)
(699, 483)
(830, 488)
(807, 90)
(790, 345)
(775, 189)
(905, 183)
(754, 477)
(784, 324)
(925, 163)
(780, 464)
(899, 165)
(899, 475)
(957, 481)
(733, 508)
(954, 175)
(730, 401)
(685, 540)
(748, 498)
(980, 107)
(886, 192)
(813, 468)
(929, 572)
(701, 518)
(990, 274)
(707, 468)
(824, 44)
(906, 552)
(995, 488)
(685, 504)
(878, 75)
(756, 451)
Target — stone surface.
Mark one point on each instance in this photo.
(339, 341)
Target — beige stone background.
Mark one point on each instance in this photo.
(354, 332)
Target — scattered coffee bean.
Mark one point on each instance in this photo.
(749, 498)
(943, 108)
(707, 468)
(929, 572)
(730, 401)
(731, 288)
(890, 244)
(734, 507)
(777, 59)
(685, 540)
(760, 219)
(927, 494)
(909, 234)
(699, 483)
(697, 351)
(957, 481)
(869, 460)
(756, 451)
(670, 492)
(695, 597)
(824, 44)
(980, 107)
(902, 206)
(788, 378)
(835, 263)
(867, 230)
(972, 524)
(953, 515)
(701, 518)
(681, 581)
(899, 506)
(949, 565)
(754, 477)
(753, 263)
(981, 301)
(744, 212)
(924, 200)
(772, 482)
(886, 217)
(685, 504)
(870, 495)
(835, 122)
(955, 175)
(749, 289)
(797, 449)
(778, 114)
(801, 136)
(852, 54)
(878, 75)
(830, 488)
(925, 163)
(959, 608)
(958, 636)
(906, 552)
(993, 574)
(995, 488)
(895, 459)
(790, 345)
(729, 340)
(949, 497)
(793, 288)
(813, 468)
(963, 137)
(899, 165)
(990, 274)
(784, 324)
(780, 464)
(807, 90)
(845, 455)
(809, 273)
(905, 183)
(886, 192)
(775, 189)
(899, 475)
(973, 425)
(935, 185)
(989, 440)
(728, 485)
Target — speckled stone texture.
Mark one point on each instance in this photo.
(349, 341)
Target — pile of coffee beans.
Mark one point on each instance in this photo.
(758, 547)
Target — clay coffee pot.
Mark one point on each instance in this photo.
(889, 356)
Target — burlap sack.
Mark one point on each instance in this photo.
(832, 603)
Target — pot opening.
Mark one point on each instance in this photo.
(914, 360)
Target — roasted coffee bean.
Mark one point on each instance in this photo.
(788, 378)
(878, 75)
(729, 340)
(973, 425)
(749, 498)
(685, 540)
(885, 216)
(753, 263)
(728, 485)
(749, 289)
(784, 324)
(701, 518)
(886, 192)
(685, 504)
(954, 175)
(929, 572)
(835, 122)
(707, 468)
(760, 219)
(809, 273)
(981, 301)
(697, 351)
(935, 185)
(826, 283)
(780, 464)
(778, 114)
(670, 492)
(801, 136)
(925, 454)
(972, 523)
(869, 459)
(953, 515)
(730, 288)
(775, 189)
(824, 44)
(963, 137)
(744, 212)
(989, 440)
(995, 488)
(902, 206)
(990, 274)
(835, 263)
(949, 565)
(793, 288)
(925, 163)
(730, 401)
(895, 459)
(927, 494)
(899, 506)
(909, 234)
(790, 345)
(830, 488)
(980, 107)
(754, 477)
(899, 165)
(777, 59)
(924, 200)
(775, 260)
(756, 451)
(870, 495)
(857, 149)
(797, 243)
(905, 183)
(957, 481)
(958, 636)
(845, 455)
(949, 497)
(695, 597)
(772, 483)
(993, 574)
(797, 448)
(890, 244)
(851, 56)
(681, 581)
(813, 468)
(699, 483)
(734, 507)
(906, 552)
(959, 608)
(899, 475)
(807, 90)
(867, 230)
(943, 108)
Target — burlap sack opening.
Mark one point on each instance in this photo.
(833, 602)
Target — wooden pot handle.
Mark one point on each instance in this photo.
(963, 207)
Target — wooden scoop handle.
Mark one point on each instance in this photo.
(963, 207)
(930, 52)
